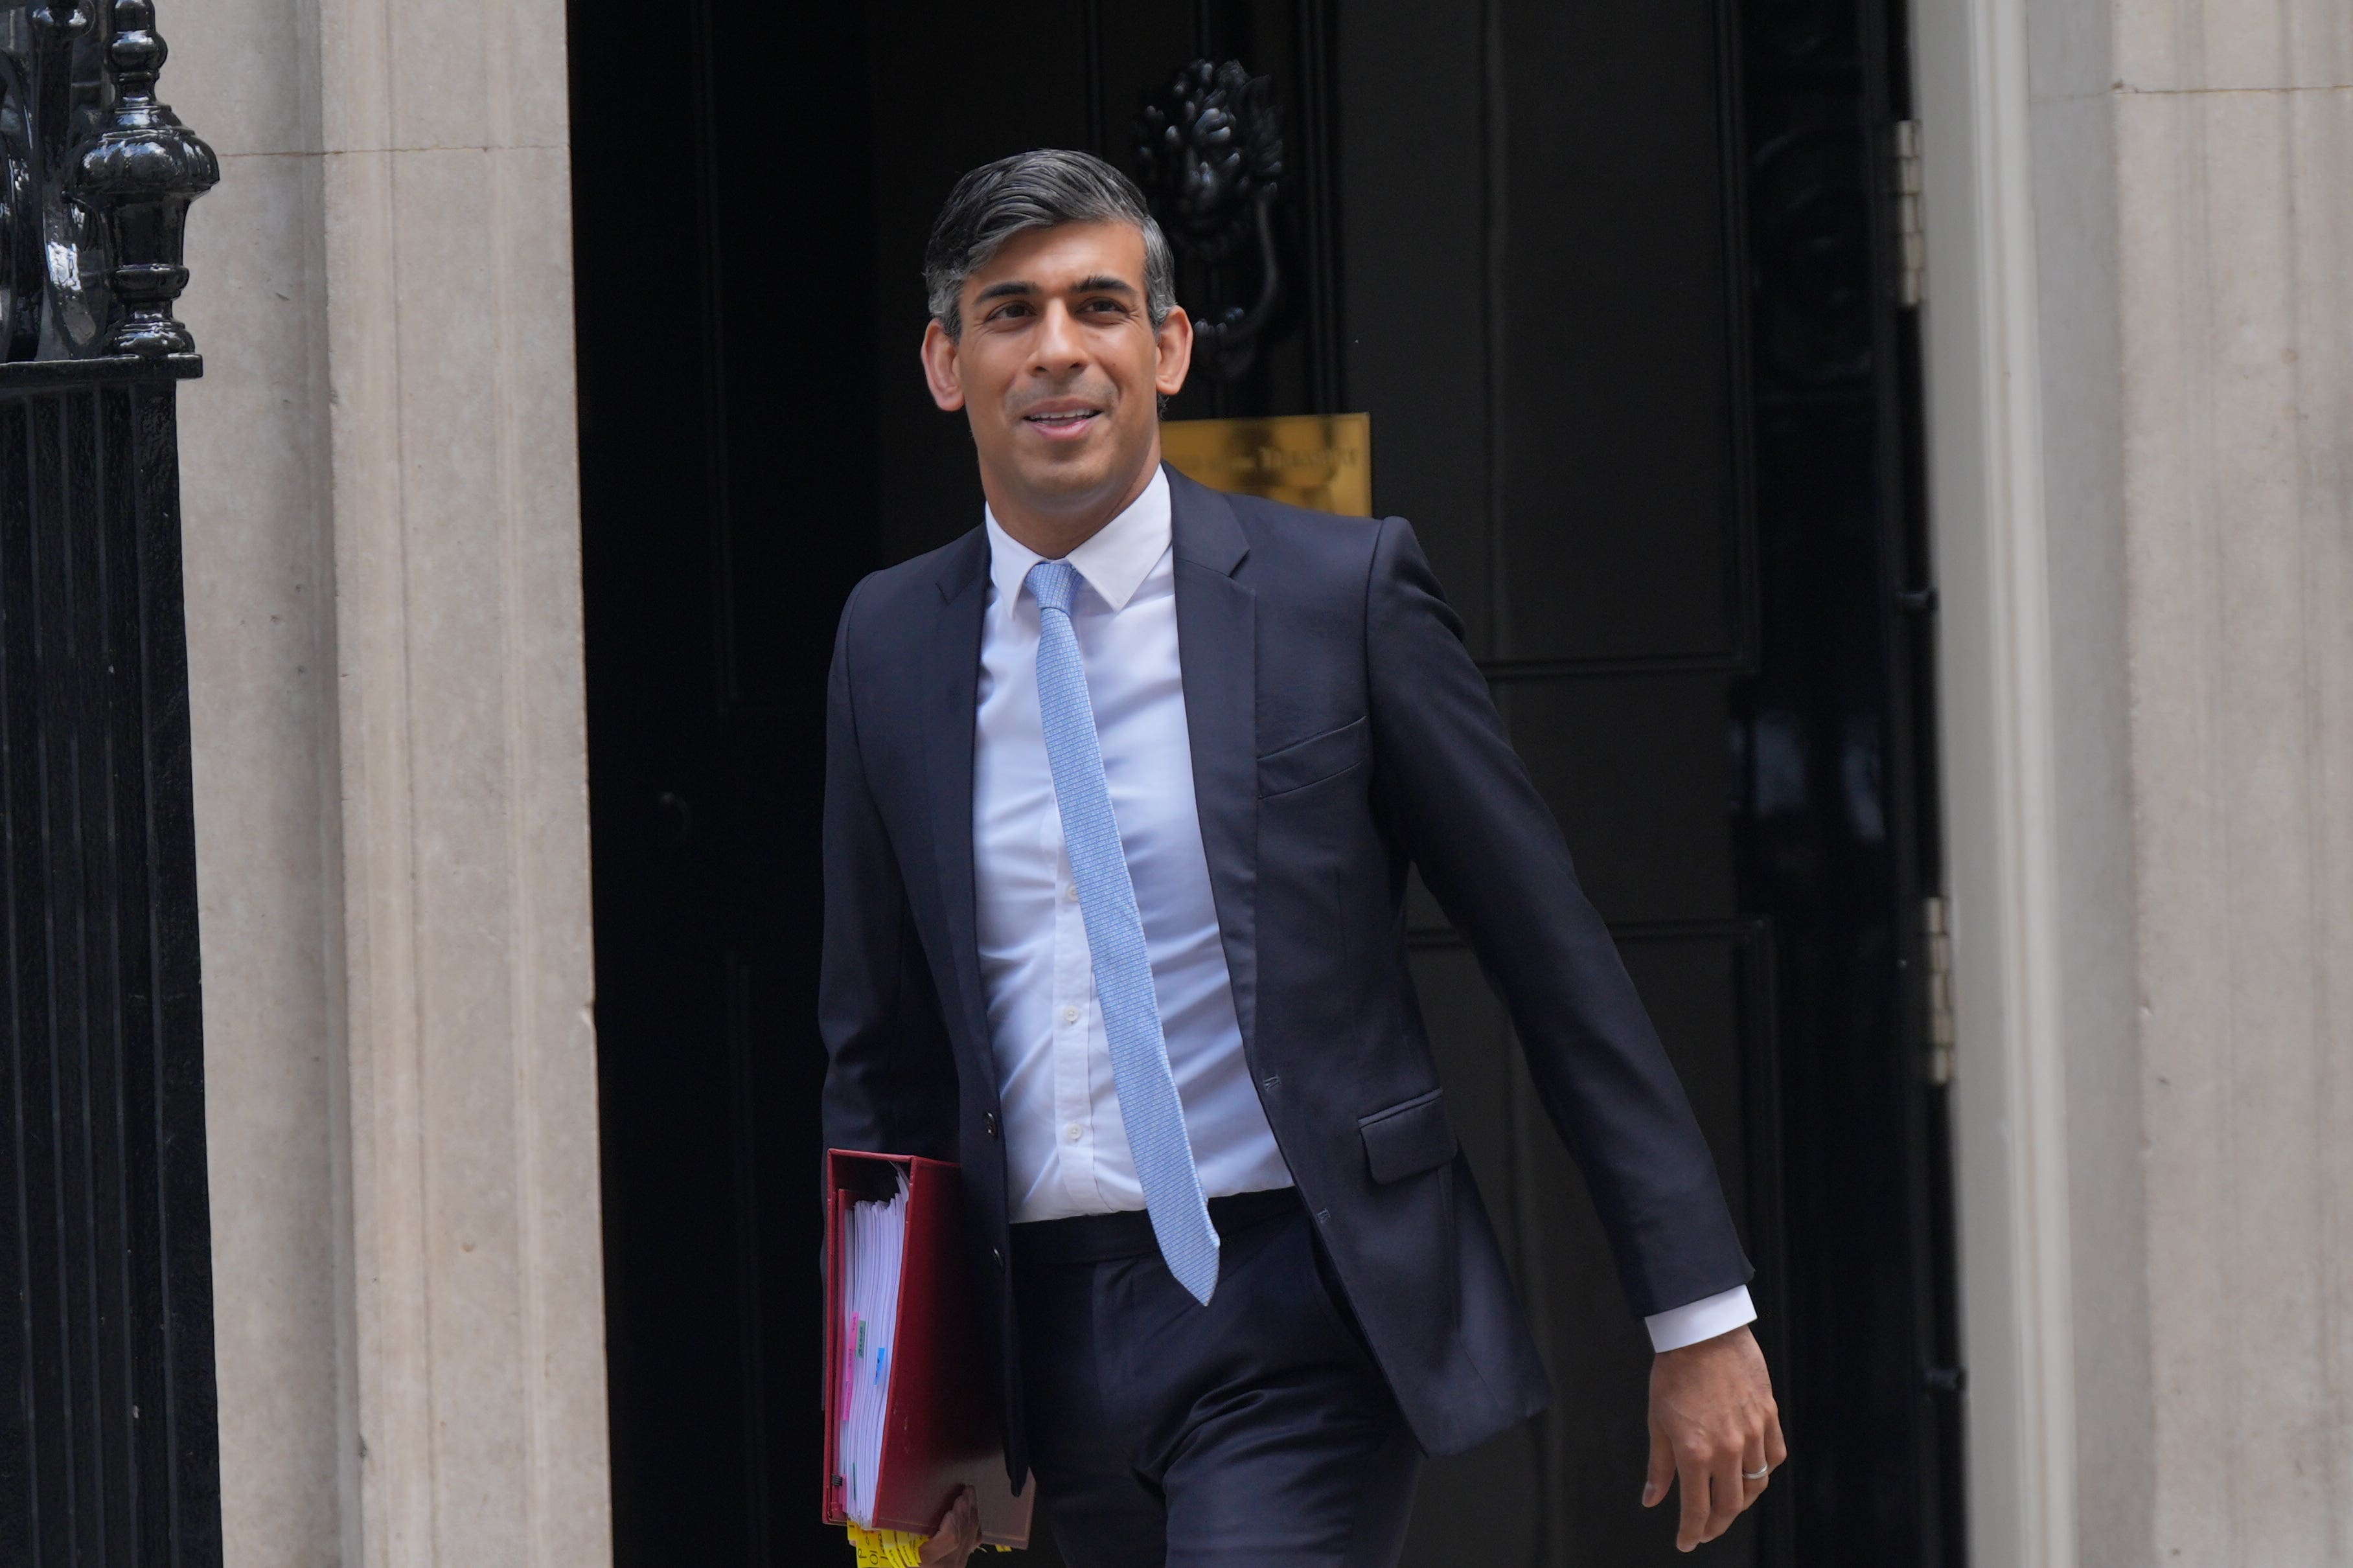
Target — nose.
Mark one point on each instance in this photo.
(1060, 346)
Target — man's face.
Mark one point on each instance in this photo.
(1060, 370)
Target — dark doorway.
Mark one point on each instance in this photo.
(1618, 287)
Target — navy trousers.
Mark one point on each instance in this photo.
(1255, 1430)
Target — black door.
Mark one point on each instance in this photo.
(1615, 285)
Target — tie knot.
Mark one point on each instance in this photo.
(1053, 583)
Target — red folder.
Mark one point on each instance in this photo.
(938, 1432)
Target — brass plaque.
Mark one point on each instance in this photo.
(1318, 460)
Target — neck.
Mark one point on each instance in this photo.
(1055, 528)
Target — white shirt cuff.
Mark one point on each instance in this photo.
(1701, 1320)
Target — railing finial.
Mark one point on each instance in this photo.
(138, 176)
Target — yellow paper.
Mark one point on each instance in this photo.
(887, 1548)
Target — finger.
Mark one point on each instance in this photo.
(1693, 1473)
(1755, 1471)
(1727, 1493)
(1777, 1452)
(1662, 1473)
(958, 1534)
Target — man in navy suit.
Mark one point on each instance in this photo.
(1122, 788)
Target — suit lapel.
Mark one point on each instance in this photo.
(1217, 649)
(952, 690)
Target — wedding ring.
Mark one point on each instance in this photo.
(1757, 1475)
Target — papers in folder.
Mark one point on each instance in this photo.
(907, 1424)
(873, 1244)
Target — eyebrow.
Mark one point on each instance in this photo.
(1016, 287)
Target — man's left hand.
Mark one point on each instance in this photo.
(1714, 1423)
(959, 1536)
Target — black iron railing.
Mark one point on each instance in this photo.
(108, 1451)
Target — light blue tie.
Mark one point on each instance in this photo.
(1131, 1011)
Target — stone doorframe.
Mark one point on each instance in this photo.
(385, 619)
(1996, 697)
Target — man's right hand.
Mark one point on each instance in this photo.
(959, 1536)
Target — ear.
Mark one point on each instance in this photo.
(940, 369)
(1175, 339)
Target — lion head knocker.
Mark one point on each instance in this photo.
(1209, 158)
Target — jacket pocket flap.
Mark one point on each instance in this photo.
(1316, 759)
(1408, 1139)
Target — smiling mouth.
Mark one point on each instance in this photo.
(1062, 421)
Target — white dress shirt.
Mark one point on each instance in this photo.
(1065, 1146)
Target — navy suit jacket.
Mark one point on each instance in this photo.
(1340, 733)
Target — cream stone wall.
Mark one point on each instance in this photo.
(2233, 130)
(384, 617)
(260, 590)
(2140, 217)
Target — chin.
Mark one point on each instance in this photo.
(1071, 474)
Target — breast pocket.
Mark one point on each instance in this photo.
(1316, 759)
(1407, 1139)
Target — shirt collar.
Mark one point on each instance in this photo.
(1114, 560)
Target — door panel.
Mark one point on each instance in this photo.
(1413, 210)
(1617, 332)
(1591, 511)
(1647, 823)
(1487, 1490)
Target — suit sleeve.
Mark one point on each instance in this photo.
(1489, 848)
(891, 1079)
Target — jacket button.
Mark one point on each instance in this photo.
(988, 1122)
(997, 1256)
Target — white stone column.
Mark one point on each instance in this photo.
(2233, 135)
(254, 476)
(2141, 386)
(384, 617)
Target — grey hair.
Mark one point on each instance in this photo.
(1043, 189)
